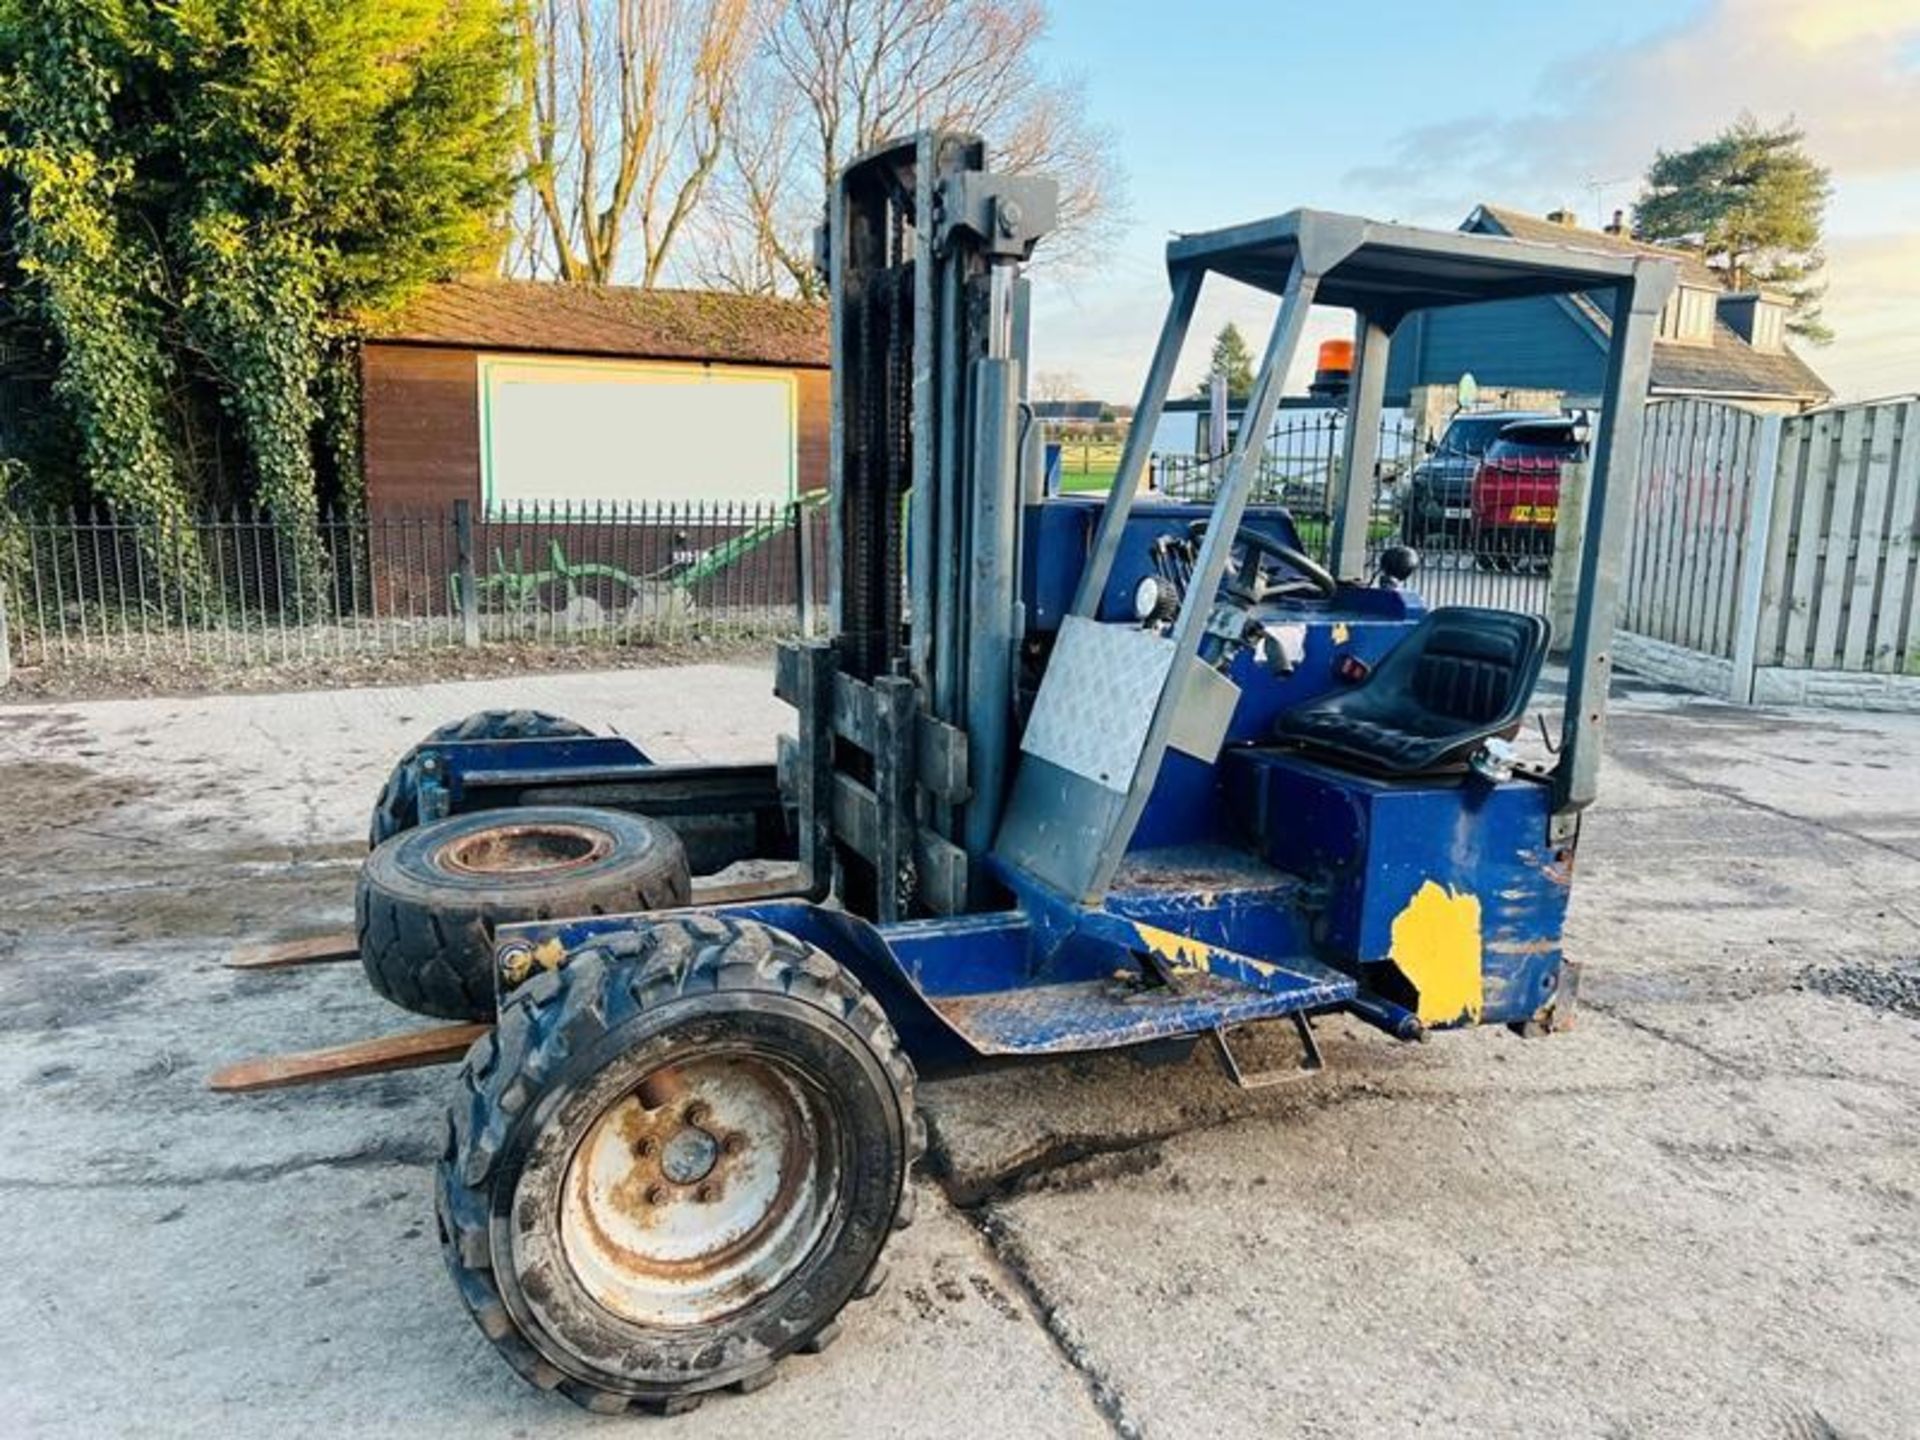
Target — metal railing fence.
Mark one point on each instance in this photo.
(1423, 499)
(235, 588)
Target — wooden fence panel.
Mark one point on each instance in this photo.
(1896, 629)
(1709, 533)
(1634, 609)
(1674, 507)
(1636, 532)
(1730, 538)
(1665, 508)
(1833, 539)
(1692, 495)
(1868, 546)
(1796, 444)
(1841, 584)
(1702, 481)
(1806, 525)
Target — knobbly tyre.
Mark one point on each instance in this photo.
(1069, 774)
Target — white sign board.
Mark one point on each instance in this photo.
(611, 432)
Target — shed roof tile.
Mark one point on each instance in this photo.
(625, 320)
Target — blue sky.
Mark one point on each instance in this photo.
(1410, 111)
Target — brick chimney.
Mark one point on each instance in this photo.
(1562, 217)
(1618, 225)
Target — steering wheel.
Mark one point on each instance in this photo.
(1252, 549)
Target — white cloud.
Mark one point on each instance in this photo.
(1848, 71)
(1843, 70)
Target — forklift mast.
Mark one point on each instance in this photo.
(923, 248)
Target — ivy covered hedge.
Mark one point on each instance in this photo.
(200, 201)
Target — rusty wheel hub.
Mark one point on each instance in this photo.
(700, 1191)
(513, 848)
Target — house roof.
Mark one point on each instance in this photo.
(1522, 226)
(1729, 366)
(624, 320)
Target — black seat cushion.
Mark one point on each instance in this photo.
(1460, 675)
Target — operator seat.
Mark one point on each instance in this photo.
(1460, 675)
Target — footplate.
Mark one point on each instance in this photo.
(1101, 1014)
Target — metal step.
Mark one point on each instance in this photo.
(1098, 1014)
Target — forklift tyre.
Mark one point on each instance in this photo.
(430, 897)
(398, 807)
(674, 1162)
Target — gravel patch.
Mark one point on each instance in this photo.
(1896, 989)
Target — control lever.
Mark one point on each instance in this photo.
(1397, 564)
(1278, 648)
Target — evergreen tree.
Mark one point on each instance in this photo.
(1233, 359)
(1753, 203)
(202, 198)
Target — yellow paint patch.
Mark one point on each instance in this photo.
(1183, 952)
(1436, 945)
(1340, 634)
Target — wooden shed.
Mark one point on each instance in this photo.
(522, 394)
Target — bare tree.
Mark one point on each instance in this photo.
(629, 109)
(757, 230)
(835, 77)
(1057, 385)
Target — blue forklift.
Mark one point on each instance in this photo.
(1069, 774)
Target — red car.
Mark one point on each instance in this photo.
(1516, 491)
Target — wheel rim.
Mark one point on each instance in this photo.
(522, 847)
(701, 1190)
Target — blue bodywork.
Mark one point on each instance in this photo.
(1258, 885)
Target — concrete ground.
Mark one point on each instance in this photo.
(1698, 1214)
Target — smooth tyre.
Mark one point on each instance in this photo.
(429, 898)
(398, 807)
(674, 1161)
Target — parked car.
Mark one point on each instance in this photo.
(1515, 495)
(1437, 511)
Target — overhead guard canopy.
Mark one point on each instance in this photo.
(1074, 807)
(1385, 270)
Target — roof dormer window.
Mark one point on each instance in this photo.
(1688, 317)
(1758, 317)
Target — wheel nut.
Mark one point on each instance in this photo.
(733, 1145)
(644, 1146)
(703, 1194)
(656, 1195)
(696, 1113)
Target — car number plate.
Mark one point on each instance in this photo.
(1458, 512)
(1539, 514)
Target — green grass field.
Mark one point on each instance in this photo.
(1088, 465)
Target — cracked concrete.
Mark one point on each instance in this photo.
(1694, 1215)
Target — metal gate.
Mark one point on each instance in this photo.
(1482, 540)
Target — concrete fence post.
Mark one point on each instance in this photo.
(1563, 574)
(1753, 560)
(469, 587)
